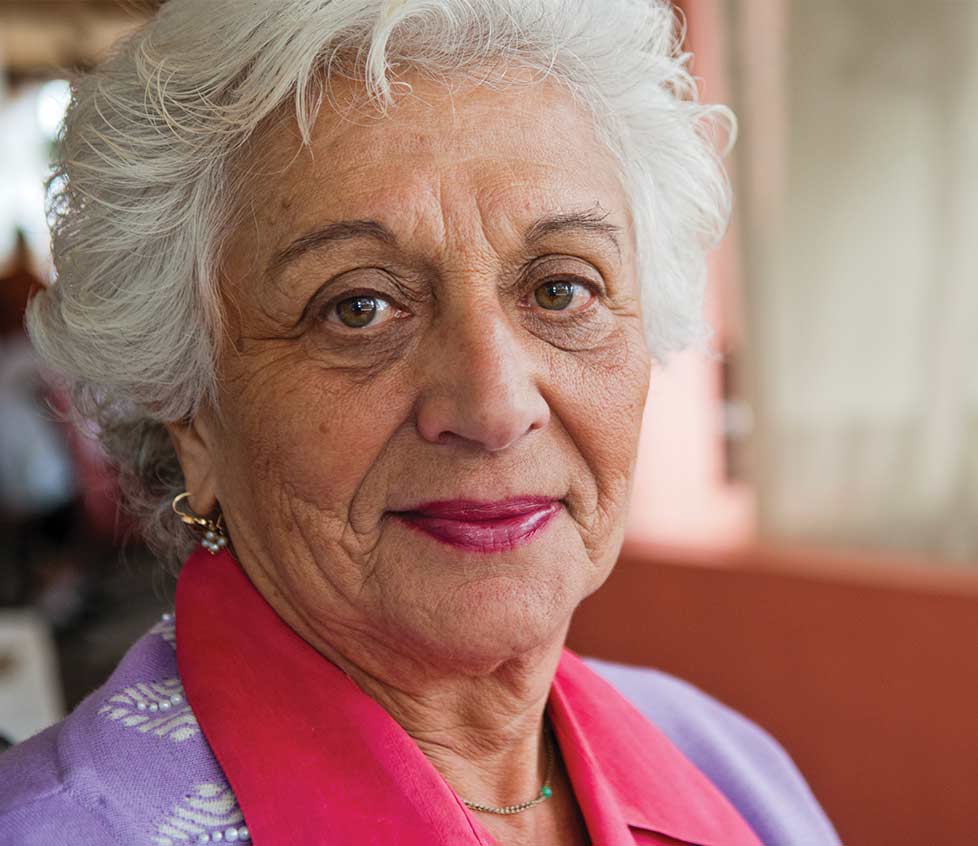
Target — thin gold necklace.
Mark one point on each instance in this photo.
(545, 792)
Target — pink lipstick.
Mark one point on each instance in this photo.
(483, 526)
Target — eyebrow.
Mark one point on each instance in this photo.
(592, 221)
(343, 230)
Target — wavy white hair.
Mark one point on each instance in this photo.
(147, 188)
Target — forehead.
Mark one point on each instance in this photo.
(438, 160)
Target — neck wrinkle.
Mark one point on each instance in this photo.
(484, 735)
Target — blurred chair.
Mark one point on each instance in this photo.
(30, 697)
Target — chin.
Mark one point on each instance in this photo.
(492, 620)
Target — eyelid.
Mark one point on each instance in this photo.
(390, 311)
(555, 264)
(565, 267)
(528, 301)
(316, 301)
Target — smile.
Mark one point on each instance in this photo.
(483, 526)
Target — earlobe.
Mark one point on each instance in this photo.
(197, 460)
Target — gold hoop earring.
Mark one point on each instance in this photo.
(215, 538)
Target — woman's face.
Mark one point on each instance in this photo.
(429, 311)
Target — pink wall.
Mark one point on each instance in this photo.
(681, 496)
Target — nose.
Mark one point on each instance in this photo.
(480, 386)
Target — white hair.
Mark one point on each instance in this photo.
(145, 190)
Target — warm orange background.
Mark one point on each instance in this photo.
(867, 673)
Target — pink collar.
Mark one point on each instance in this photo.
(307, 753)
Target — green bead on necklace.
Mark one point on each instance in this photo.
(545, 792)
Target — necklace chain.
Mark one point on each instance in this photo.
(545, 792)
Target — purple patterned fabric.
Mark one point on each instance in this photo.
(130, 765)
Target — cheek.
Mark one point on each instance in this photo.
(312, 432)
(599, 399)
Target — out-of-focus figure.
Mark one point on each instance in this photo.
(39, 491)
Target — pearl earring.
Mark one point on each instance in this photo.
(215, 538)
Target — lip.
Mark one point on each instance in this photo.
(478, 526)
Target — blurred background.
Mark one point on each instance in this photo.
(803, 542)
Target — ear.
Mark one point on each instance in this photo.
(195, 447)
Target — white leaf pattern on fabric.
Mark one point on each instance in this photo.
(207, 810)
(159, 708)
(166, 628)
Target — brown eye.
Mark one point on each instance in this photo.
(558, 295)
(361, 311)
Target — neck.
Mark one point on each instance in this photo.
(481, 727)
(483, 731)
(485, 735)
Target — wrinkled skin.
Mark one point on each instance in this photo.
(465, 387)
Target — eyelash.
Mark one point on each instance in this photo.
(328, 311)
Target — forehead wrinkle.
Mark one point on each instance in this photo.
(510, 150)
(482, 115)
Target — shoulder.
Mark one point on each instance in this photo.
(37, 805)
(748, 765)
(129, 764)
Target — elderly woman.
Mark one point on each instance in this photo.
(366, 294)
